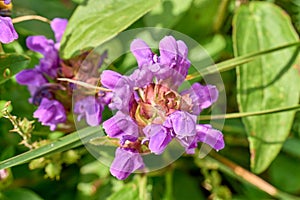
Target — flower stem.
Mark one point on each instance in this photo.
(30, 17)
(244, 175)
(83, 84)
(249, 114)
(234, 62)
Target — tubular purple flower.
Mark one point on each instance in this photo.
(7, 2)
(90, 108)
(205, 134)
(50, 113)
(120, 125)
(126, 161)
(58, 25)
(183, 123)
(8, 32)
(49, 64)
(32, 78)
(159, 137)
(110, 78)
(142, 53)
(202, 96)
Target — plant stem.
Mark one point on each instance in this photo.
(30, 17)
(83, 84)
(249, 114)
(244, 175)
(234, 62)
(169, 184)
(221, 14)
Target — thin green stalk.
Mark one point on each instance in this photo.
(1, 49)
(67, 142)
(143, 186)
(249, 114)
(169, 184)
(221, 14)
(234, 62)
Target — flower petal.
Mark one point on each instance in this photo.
(58, 25)
(183, 123)
(142, 52)
(110, 78)
(40, 44)
(210, 136)
(8, 32)
(159, 137)
(120, 125)
(126, 162)
(50, 113)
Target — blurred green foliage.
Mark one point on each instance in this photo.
(72, 173)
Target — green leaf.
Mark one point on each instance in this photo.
(10, 64)
(167, 14)
(285, 169)
(292, 7)
(269, 82)
(104, 20)
(62, 144)
(21, 194)
(128, 192)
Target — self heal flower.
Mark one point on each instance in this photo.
(126, 161)
(50, 113)
(151, 110)
(33, 78)
(121, 125)
(159, 137)
(7, 2)
(90, 108)
(206, 134)
(8, 32)
(201, 96)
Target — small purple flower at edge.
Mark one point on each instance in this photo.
(90, 108)
(155, 112)
(7, 2)
(50, 113)
(8, 32)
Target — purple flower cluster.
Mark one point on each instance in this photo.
(43, 85)
(150, 110)
(50, 111)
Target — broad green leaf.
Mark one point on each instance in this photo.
(21, 194)
(167, 13)
(293, 9)
(104, 20)
(10, 64)
(198, 22)
(269, 82)
(62, 144)
(285, 169)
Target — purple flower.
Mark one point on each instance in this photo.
(91, 109)
(206, 134)
(33, 78)
(50, 113)
(120, 126)
(151, 111)
(58, 26)
(122, 88)
(7, 2)
(159, 137)
(49, 64)
(172, 63)
(126, 161)
(8, 32)
(202, 96)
